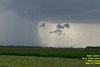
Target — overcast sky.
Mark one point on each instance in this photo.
(85, 11)
(19, 19)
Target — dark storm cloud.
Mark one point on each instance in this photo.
(14, 30)
(19, 18)
(62, 10)
(4, 5)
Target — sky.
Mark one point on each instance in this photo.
(20, 20)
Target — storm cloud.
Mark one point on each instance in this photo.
(19, 18)
(85, 11)
(82, 11)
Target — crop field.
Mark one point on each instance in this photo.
(48, 52)
(31, 61)
(45, 57)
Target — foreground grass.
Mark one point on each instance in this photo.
(31, 61)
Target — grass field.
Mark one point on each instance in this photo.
(44, 57)
(31, 61)
(48, 52)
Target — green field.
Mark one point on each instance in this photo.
(31, 61)
(48, 52)
(44, 57)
